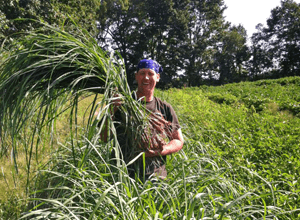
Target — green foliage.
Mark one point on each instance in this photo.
(48, 67)
(92, 188)
(181, 35)
(3, 24)
(46, 77)
(220, 99)
(237, 163)
(141, 29)
(84, 13)
(15, 10)
(200, 45)
(249, 125)
(261, 94)
(275, 47)
(190, 37)
(12, 207)
(16, 16)
(232, 54)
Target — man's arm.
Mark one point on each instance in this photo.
(173, 146)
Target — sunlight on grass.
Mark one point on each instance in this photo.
(13, 185)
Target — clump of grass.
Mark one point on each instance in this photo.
(13, 205)
(272, 107)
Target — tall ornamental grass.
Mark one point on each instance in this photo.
(91, 188)
(45, 77)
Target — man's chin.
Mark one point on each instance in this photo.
(147, 87)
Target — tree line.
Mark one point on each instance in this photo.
(190, 38)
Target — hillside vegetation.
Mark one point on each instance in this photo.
(254, 125)
(240, 161)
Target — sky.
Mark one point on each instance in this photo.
(249, 13)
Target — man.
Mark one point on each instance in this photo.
(147, 75)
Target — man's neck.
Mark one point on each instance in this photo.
(148, 95)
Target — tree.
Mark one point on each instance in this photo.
(54, 12)
(206, 24)
(181, 34)
(167, 30)
(119, 29)
(260, 62)
(276, 48)
(83, 12)
(141, 29)
(3, 26)
(231, 54)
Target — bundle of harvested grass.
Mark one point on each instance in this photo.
(57, 60)
(47, 75)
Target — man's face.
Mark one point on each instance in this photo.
(146, 79)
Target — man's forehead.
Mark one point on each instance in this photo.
(146, 70)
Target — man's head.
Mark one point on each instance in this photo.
(147, 75)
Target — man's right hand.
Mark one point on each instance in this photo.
(117, 100)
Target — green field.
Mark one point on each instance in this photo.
(241, 160)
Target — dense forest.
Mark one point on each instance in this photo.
(191, 39)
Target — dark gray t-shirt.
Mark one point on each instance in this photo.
(153, 165)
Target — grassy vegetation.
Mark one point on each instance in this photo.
(240, 161)
(254, 125)
(13, 186)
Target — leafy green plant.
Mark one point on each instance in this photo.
(220, 99)
(247, 137)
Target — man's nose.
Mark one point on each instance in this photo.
(147, 77)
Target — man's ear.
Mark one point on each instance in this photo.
(158, 77)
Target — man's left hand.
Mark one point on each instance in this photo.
(173, 146)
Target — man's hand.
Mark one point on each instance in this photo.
(173, 146)
(157, 134)
(117, 100)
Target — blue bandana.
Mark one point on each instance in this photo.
(150, 64)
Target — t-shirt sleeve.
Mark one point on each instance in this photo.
(172, 117)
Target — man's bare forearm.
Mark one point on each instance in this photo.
(173, 146)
